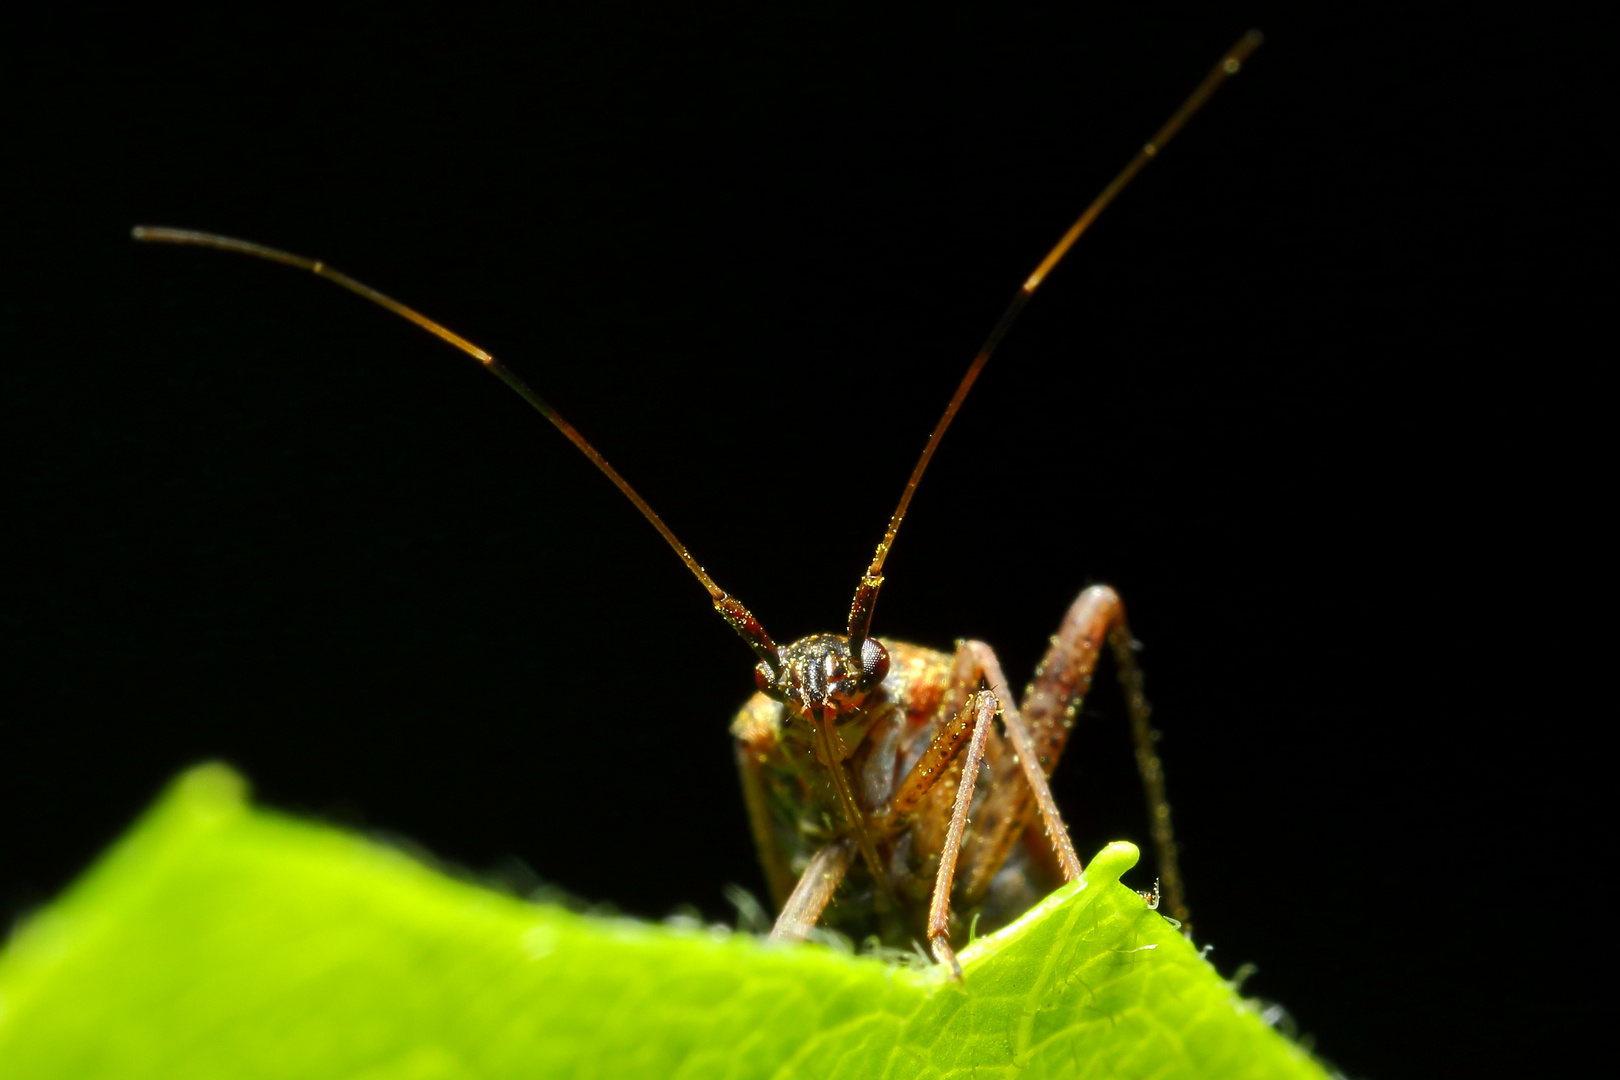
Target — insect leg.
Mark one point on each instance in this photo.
(1050, 705)
(935, 762)
(1030, 761)
(757, 796)
(814, 891)
(1147, 763)
(1060, 685)
(982, 707)
(1014, 773)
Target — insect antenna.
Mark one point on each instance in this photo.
(730, 609)
(860, 608)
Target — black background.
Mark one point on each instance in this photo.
(1311, 396)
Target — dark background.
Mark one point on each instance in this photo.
(1312, 395)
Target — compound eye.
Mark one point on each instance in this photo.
(874, 663)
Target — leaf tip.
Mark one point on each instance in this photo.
(1112, 861)
(212, 790)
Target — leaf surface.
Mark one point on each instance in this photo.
(220, 940)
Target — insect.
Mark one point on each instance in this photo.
(897, 791)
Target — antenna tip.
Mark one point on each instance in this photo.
(1249, 42)
(138, 233)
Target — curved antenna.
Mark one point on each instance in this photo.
(741, 620)
(860, 609)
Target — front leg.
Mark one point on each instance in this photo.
(1029, 761)
(970, 728)
(982, 707)
(810, 897)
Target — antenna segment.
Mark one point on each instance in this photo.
(860, 608)
(730, 609)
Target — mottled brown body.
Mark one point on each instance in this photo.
(910, 728)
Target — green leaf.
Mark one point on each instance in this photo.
(218, 940)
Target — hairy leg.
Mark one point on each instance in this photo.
(814, 891)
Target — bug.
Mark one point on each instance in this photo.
(896, 791)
